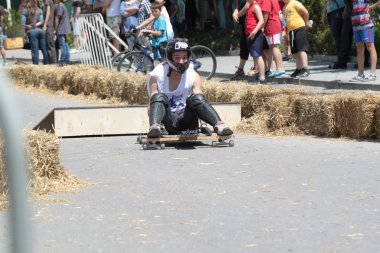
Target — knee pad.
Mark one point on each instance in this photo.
(196, 100)
(160, 98)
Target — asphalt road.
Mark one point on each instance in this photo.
(266, 194)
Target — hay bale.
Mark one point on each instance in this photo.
(47, 173)
(355, 115)
(315, 115)
(281, 111)
(256, 124)
(377, 122)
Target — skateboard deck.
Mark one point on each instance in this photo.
(214, 138)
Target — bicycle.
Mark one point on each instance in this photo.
(140, 59)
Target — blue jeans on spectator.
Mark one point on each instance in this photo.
(65, 50)
(37, 39)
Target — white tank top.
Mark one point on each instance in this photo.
(177, 97)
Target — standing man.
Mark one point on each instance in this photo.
(339, 21)
(62, 29)
(112, 10)
(238, 16)
(48, 27)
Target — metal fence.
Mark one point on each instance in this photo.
(92, 35)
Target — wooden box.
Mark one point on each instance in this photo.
(14, 43)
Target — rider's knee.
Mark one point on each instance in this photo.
(196, 100)
(159, 98)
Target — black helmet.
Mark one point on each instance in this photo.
(178, 45)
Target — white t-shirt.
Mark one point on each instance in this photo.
(177, 97)
(169, 27)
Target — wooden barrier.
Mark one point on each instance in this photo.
(114, 120)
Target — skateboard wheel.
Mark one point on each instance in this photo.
(162, 145)
(145, 146)
(231, 143)
(139, 139)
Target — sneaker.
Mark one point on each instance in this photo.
(222, 130)
(277, 73)
(205, 130)
(154, 131)
(268, 73)
(359, 77)
(295, 73)
(304, 73)
(238, 74)
(287, 58)
(370, 78)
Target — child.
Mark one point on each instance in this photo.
(362, 25)
(158, 31)
(253, 24)
(297, 22)
(272, 30)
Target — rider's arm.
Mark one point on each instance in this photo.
(153, 89)
(197, 84)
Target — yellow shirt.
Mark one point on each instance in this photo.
(293, 15)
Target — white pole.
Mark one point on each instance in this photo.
(9, 16)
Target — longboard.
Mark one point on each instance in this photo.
(214, 138)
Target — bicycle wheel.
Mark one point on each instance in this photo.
(203, 61)
(137, 62)
(116, 59)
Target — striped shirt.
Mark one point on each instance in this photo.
(144, 11)
(361, 19)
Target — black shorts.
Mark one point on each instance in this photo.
(180, 120)
(244, 52)
(265, 44)
(298, 40)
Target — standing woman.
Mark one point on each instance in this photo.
(33, 20)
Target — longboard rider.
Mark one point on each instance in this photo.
(175, 96)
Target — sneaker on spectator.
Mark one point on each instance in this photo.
(295, 73)
(287, 57)
(268, 73)
(222, 130)
(370, 78)
(239, 74)
(276, 73)
(358, 77)
(304, 73)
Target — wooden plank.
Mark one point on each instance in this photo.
(114, 120)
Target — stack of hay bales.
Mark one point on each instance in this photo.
(47, 175)
(265, 110)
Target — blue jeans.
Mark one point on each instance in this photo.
(37, 39)
(65, 50)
